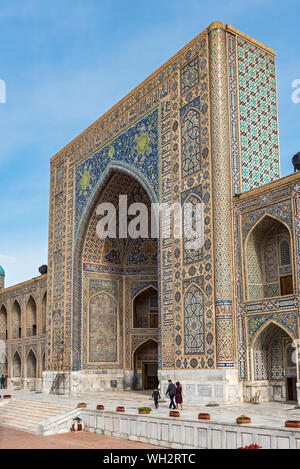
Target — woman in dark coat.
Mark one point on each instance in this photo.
(178, 395)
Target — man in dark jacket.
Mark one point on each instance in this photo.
(2, 381)
(171, 391)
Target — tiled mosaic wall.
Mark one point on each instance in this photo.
(253, 115)
(270, 209)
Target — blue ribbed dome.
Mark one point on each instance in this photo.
(2, 272)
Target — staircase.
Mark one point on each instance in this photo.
(26, 415)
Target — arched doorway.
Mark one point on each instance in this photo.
(145, 362)
(273, 363)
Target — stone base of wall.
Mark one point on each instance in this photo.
(32, 384)
(85, 381)
(269, 392)
(205, 386)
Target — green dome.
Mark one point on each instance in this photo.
(2, 272)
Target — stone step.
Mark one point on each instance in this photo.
(30, 415)
(14, 404)
(27, 415)
(39, 403)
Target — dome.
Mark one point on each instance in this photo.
(2, 272)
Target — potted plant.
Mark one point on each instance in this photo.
(100, 407)
(292, 423)
(120, 409)
(77, 425)
(243, 419)
(144, 410)
(174, 413)
(203, 416)
(252, 446)
(82, 405)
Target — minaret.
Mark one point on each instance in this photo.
(2, 277)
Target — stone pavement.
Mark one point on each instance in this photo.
(11, 438)
(272, 414)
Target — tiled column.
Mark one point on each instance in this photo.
(221, 196)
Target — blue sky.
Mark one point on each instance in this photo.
(66, 62)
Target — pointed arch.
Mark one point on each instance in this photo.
(3, 323)
(190, 142)
(31, 310)
(17, 365)
(103, 329)
(31, 364)
(44, 362)
(3, 364)
(16, 320)
(268, 352)
(145, 364)
(192, 229)
(145, 308)
(193, 304)
(80, 240)
(265, 276)
(44, 313)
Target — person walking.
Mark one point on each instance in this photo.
(156, 396)
(178, 395)
(2, 381)
(172, 392)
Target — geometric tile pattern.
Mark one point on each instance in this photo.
(189, 75)
(136, 147)
(190, 138)
(193, 321)
(258, 116)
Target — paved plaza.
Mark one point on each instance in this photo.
(272, 414)
(10, 438)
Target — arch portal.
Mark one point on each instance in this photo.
(273, 365)
(145, 363)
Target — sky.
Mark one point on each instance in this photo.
(66, 62)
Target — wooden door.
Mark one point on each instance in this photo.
(291, 389)
(286, 285)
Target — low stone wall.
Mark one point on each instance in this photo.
(187, 434)
(59, 423)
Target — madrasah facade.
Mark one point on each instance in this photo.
(127, 313)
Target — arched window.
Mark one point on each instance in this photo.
(285, 257)
(193, 320)
(145, 309)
